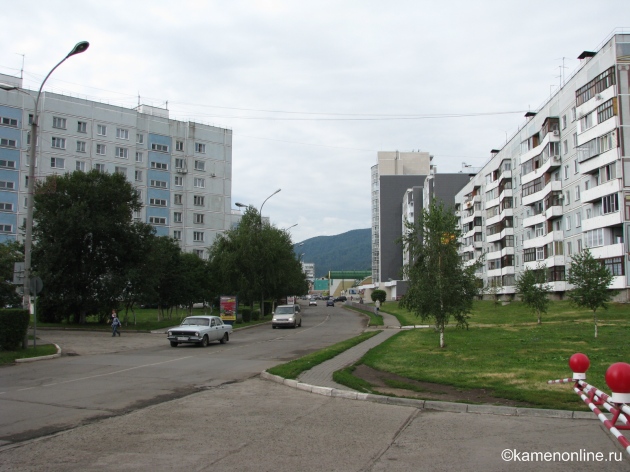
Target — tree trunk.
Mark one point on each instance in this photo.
(595, 319)
(539, 320)
(442, 336)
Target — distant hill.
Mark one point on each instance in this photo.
(347, 251)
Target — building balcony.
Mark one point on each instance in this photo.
(540, 241)
(478, 244)
(494, 219)
(591, 165)
(494, 273)
(554, 211)
(618, 282)
(493, 202)
(506, 174)
(534, 220)
(604, 252)
(507, 270)
(595, 193)
(558, 286)
(507, 192)
(551, 186)
(598, 130)
(611, 219)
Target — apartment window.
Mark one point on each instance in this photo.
(566, 172)
(159, 183)
(138, 176)
(569, 248)
(157, 202)
(605, 143)
(122, 153)
(179, 145)
(6, 228)
(565, 147)
(540, 253)
(179, 163)
(578, 219)
(139, 138)
(5, 164)
(121, 170)
(139, 157)
(610, 203)
(593, 238)
(200, 148)
(8, 142)
(99, 167)
(198, 236)
(159, 147)
(159, 165)
(6, 206)
(199, 183)
(577, 193)
(179, 181)
(573, 114)
(9, 122)
(101, 130)
(59, 123)
(198, 200)
(567, 197)
(5, 185)
(586, 122)
(57, 163)
(80, 166)
(579, 245)
(198, 253)
(80, 146)
(575, 142)
(177, 199)
(177, 217)
(614, 265)
(81, 127)
(576, 166)
(198, 218)
(25, 181)
(200, 165)
(177, 235)
(122, 133)
(605, 111)
(539, 230)
(564, 121)
(58, 143)
(567, 223)
(101, 149)
(157, 220)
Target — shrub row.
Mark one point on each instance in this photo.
(13, 327)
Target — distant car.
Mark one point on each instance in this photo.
(312, 302)
(200, 330)
(342, 298)
(330, 302)
(287, 315)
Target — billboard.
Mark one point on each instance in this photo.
(227, 308)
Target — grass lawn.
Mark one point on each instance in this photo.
(8, 357)
(506, 352)
(146, 320)
(374, 319)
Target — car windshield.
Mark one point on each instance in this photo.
(196, 321)
(284, 310)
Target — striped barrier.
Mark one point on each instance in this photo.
(618, 379)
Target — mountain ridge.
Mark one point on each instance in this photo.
(351, 250)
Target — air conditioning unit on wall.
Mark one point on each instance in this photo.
(556, 132)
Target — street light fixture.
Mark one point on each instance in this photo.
(28, 237)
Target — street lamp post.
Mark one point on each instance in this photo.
(28, 237)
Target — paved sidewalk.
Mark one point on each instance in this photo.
(322, 374)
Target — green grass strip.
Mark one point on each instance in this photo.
(9, 357)
(292, 369)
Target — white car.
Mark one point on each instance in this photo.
(287, 315)
(200, 330)
(312, 302)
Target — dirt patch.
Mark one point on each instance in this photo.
(427, 390)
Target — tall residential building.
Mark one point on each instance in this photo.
(394, 173)
(561, 184)
(182, 170)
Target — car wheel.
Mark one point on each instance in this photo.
(204, 341)
(225, 338)
(174, 344)
(274, 327)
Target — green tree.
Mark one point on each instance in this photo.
(590, 280)
(380, 295)
(86, 241)
(532, 287)
(10, 253)
(441, 287)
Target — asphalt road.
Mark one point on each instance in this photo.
(108, 376)
(239, 422)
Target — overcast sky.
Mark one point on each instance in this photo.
(312, 90)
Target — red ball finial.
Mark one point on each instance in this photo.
(579, 364)
(618, 379)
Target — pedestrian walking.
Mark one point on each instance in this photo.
(377, 306)
(115, 324)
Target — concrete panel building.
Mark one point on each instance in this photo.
(182, 170)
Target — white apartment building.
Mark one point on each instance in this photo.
(561, 184)
(182, 170)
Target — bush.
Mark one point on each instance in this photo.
(268, 308)
(380, 295)
(247, 314)
(13, 327)
(255, 315)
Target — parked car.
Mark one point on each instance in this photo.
(330, 302)
(200, 330)
(287, 315)
(312, 302)
(342, 298)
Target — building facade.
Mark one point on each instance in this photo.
(181, 170)
(561, 184)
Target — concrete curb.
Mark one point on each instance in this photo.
(40, 358)
(432, 405)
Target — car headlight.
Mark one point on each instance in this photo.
(197, 333)
(170, 333)
(291, 319)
